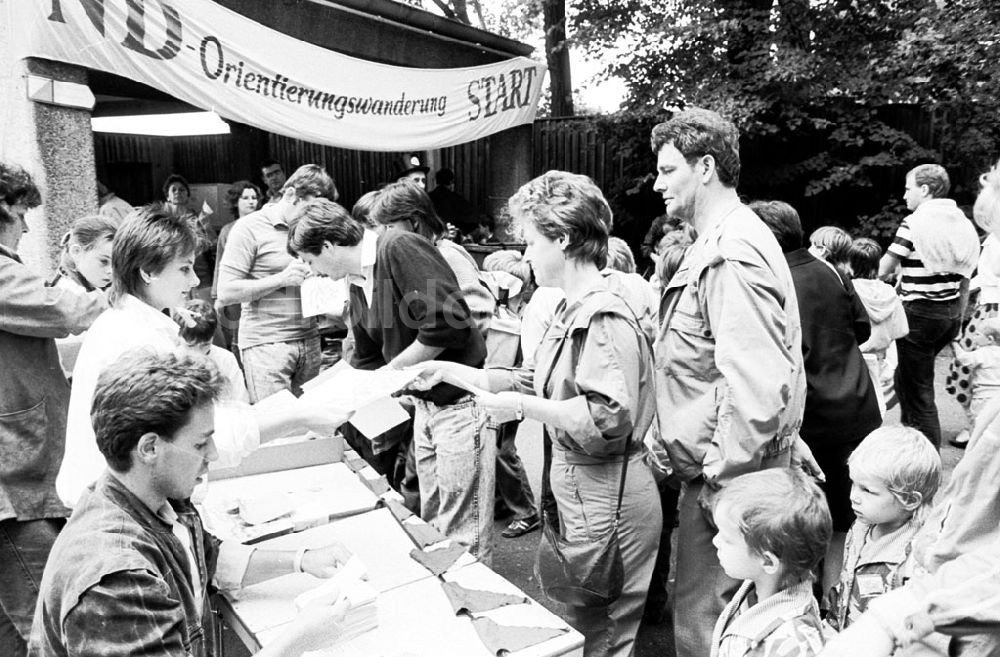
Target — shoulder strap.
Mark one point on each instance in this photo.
(548, 378)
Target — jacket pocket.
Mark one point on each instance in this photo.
(22, 441)
(690, 347)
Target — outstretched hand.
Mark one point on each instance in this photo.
(324, 562)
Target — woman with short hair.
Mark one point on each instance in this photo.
(152, 262)
(592, 387)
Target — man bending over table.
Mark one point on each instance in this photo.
(130, 573)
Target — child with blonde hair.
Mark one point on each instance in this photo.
(895, 472)
(773, 529)
(832, 245)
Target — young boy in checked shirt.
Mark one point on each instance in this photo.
(774, 527)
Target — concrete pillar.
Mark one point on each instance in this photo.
(54, 144)
(509, 168)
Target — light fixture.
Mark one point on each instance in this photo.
(164, 125)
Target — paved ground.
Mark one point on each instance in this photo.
(514, 558)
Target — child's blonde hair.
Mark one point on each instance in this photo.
(987, 208)
(836, 241)
(904, 460)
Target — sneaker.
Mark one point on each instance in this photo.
(521, 527)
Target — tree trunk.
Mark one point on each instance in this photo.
(557, 56)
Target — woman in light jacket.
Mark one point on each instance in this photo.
(592, 387)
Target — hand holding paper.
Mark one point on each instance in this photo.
(330, 561)
(324, 419)
(433, 372)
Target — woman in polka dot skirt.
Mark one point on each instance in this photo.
(987, 281)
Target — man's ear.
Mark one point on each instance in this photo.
(146, 449)
(289, 195)
(708, 162)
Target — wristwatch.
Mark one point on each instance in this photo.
(519, 410)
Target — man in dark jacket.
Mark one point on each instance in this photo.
(34, 396)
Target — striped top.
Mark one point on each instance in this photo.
(916, 282)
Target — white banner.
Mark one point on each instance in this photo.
(213, 58)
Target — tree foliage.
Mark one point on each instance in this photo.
(835, 98)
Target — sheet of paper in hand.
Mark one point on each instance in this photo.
(366, 393)
(323, 296)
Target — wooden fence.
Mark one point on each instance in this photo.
(135, 166)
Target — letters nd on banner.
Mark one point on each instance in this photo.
(211, 57)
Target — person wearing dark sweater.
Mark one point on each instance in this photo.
(406, 308)
(841, 405)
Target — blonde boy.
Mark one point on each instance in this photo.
(773, 528)
(895, 472)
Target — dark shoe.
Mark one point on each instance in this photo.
(521, 527)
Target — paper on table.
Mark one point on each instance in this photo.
(323, 296)
(353, 389)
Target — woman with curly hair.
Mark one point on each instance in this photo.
(242, 198)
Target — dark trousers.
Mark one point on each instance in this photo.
(546, 500)
(933, 325)
(512, 488)
(24, 548)
(657, 597)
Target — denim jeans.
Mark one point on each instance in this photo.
(513, 489)
(933, 325)
(24, 548)
(586, 496)
(456, 465)
(270, 368)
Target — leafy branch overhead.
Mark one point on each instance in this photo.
(833, 96)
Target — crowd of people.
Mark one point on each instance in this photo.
(737, 393)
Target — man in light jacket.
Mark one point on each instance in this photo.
(729, 374)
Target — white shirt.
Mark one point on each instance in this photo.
(132, 324)
(369, 251)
